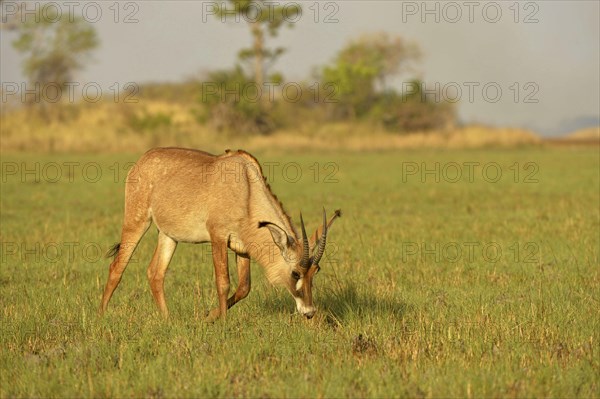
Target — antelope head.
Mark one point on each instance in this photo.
(302, 260)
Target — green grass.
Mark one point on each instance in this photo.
(400, 312)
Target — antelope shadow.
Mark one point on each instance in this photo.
(344, 302)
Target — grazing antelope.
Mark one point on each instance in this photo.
(196, 197)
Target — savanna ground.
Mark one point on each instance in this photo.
(466, 287)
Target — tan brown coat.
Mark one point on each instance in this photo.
(192, 196)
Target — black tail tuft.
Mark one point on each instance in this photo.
(338, 213)
(113, 251)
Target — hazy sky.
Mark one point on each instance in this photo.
(542, 56)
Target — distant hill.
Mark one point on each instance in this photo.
(589, 133)
(568, 126)
(583, 137)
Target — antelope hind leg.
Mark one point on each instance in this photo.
(130, 237)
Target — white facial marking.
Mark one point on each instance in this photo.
(299, 305)
(299, 284)
(302, 308)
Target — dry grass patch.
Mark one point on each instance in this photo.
(109, 127)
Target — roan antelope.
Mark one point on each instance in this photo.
(196, 197)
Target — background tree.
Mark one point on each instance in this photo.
(360, 74)
(387, 55)
(364, 64)
(248, 110)
(55, 46)
(263, 17)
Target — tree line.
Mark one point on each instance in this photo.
(251, 96)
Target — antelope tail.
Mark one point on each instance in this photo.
(113, 251)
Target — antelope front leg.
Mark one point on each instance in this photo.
(158, 268)
(219, 254)
(243, 288)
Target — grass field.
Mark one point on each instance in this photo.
(479, 286)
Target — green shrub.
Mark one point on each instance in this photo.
(149, 122)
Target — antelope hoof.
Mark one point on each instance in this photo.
(213, 315)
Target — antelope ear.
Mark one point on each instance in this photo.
(280, 237)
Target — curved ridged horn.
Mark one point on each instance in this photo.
(322, 240)
(305, 261)
(337, 214)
